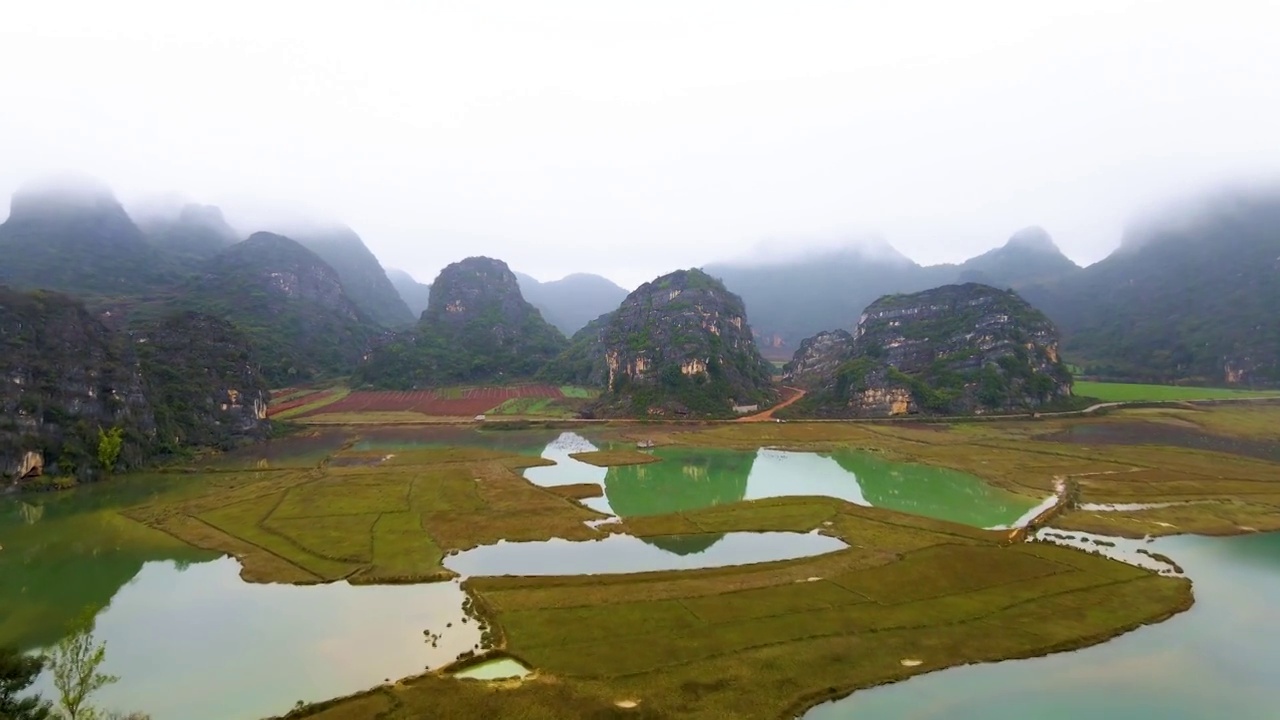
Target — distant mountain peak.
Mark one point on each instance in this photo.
(62, 193)
(210, 215)
(572, 301)
(1033, 238)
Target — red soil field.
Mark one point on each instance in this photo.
(296, 402)
(464, 402)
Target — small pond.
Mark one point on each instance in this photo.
(626, 554)
(496, 669)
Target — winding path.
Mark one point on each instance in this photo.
(767, 415)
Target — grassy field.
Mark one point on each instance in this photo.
(388, 520)
(581, 393)
(1130, 392)
(534, 407)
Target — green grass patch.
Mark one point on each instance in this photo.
(1133, 392)
(581, 393)
(610, 458)
(532, 406)
(402, 550)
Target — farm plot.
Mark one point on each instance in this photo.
(462, 402)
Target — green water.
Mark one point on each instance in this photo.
(499, 669)
(67, 553)
(1221, 659)
(691, 478)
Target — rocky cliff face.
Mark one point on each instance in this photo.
(477, 328)
(677, 346)
(957, 349)
(65, 375)
(818, 357)
(291, 304)
(203, 382)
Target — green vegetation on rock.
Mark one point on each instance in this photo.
(477, 328)
(953, 350)
(291, 305)
(679, 345)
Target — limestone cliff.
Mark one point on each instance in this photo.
(677, 346)
(952, 350)
(203, 382)
(477, 328)
(65, 375)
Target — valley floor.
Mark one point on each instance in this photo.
(909, 595)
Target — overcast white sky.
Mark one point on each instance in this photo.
(629, 139)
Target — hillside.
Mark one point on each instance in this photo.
(572, 301)
(72, 235)
(1190, 296)
(678, 346)
(416, 295)
(363, 277)
(69, 376)
(477, 328)
(291, 305)
(952, 350)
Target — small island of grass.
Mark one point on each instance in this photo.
(612, 458)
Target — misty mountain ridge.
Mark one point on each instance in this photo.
(796, 298)
(363, 277)
(1190, 297)
(416, 295)
(572, 301)
(194, 233)
(75, 236)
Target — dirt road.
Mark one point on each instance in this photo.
(767, 415)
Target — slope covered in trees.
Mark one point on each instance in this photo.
(1190, 295)
(477, 328)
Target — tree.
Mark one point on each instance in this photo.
(17, 673)
(109, 444)
(74, 662)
